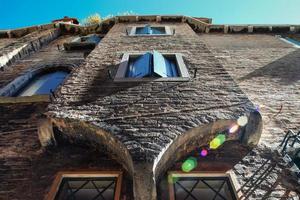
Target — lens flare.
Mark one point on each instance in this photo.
(234, 128)
(242, 121)
(215, 143)
(257, 108)
(189, 164)
(222, 138)
(203, 152)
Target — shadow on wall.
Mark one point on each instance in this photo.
(219, 160)
(103, 85)
(69, 157)
(286, 69)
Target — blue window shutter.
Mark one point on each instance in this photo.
(162, 66)
(140, 67)
(147, 29)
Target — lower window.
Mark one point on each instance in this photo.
(201, 186)
(86, 186)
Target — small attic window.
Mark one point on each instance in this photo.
(83, 42)
(148, 30)
(43, 84)
(152, 66)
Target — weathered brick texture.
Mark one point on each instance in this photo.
(148, 116)
(268, 71)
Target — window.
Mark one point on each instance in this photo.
(289, 40)
(86, 186)
(148, 30)
(152, 66)
(200, 186)
(43, 84)
(83, 42)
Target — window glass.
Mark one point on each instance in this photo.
(158, 30)
(190, 188)
(44, 83)
(150, 30)
(87, 188)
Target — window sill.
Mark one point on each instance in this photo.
(177, 79)
(150, 35)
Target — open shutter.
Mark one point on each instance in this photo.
(140, 67)
(148, 29)
(162, 66)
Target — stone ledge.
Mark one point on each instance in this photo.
(258, 29)
(25, 99)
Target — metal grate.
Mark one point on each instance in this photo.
(203, 188)
(99, 188)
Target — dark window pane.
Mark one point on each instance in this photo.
(158, 30)
(42, 84)
(203, 188)
(150, 30)
(87, 188)
(143, 30)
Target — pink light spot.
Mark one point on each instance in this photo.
(204, 152)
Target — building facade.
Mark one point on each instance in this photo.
(147, 107)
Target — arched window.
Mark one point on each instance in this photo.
(43, 83)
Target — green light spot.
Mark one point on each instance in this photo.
(189, 164)
(222, 138)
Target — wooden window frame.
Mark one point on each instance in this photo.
(201, 174)
(84, 174)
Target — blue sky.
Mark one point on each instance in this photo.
(20, 13)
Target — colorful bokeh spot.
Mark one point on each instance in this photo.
(203, 152)
(222, 138)
(242, 121)
(215, 143)
(234, 128)
(257, 108)
(189, 164)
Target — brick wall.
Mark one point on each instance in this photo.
(141, 115)
(268, 71)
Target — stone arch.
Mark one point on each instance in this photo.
(77, 131)
(14, 86)
(202, 135)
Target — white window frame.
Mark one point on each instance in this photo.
(168, 31)
(181, 67)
